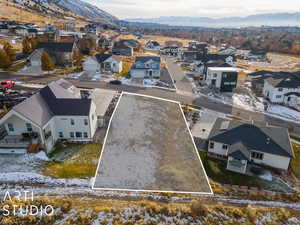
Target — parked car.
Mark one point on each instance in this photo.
(6, 84)
(115, 82)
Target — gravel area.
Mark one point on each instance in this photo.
(149, 147)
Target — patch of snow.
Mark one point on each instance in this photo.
(42, 156)
(75, 75)
(266, 176)
(283, 111)
(38, 86)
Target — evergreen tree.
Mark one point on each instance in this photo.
(47, 64)
(26, 46)
(10, 51)
(4, 60)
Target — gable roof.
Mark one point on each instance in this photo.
(56, 46)
(59, 98)
(144, 59)
(272, 140)
(287, 81)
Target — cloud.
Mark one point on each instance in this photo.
(195, 8)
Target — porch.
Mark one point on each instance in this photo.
(236, 165)
(19, 141)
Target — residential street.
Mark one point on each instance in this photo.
(182, 83)
(183, 95)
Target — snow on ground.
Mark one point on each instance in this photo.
(239, 100)
(266, 176)
(75, 75)
(96, 77)
(283, 111)
(26, 168)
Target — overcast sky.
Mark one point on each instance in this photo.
(195, 8)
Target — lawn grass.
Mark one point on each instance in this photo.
(295, 163)
(81, 164)
(216, 170)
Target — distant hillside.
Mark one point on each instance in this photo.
(54, 9)
(275, 19)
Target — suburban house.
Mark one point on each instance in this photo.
(4, 29)
(146, 67)
(201, 68)
(105, 63)
(170, 50)
(121, 48)
(62, 53)
(282, 90)
(200, 47)
(152, 45)
(245, 144)
(34, 58)
(222, 78)
(56, 112)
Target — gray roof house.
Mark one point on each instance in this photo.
(245, 144)
(56, 112)
(146, 67)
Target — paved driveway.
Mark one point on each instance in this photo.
(182, 83)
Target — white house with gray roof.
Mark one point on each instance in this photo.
(245, 145)
(146, 67)
(105, 63)
(56, 112)
(282, 90)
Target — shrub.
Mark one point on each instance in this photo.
(198, 209)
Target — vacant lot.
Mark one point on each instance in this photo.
(73, 160)
(149, 147)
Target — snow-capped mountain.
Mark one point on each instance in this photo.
(77, 7)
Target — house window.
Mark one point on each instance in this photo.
(257, 155)
(10, 127)
(93, 117)
(72, 122)
(225, 147)
(29, 127)
(78, 134)
(278, 96)
(60, 134)
(72, 135)
(211, 144)
(215, 75)
(85, 122)
(280, 89)
(85, 134)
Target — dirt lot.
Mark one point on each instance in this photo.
(148, 147)
(278, 62)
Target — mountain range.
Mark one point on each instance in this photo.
(271, 19)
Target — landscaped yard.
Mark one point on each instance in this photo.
(73, 160)
(295, 163)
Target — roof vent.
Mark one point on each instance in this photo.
(288, 79)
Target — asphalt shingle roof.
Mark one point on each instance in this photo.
(56, 46)
(273, 140)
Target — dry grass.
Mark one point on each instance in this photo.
(161, 39)
(78, 210)
(81, 165)
(9, 11)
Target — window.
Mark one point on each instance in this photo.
(211, 144)
(257, 155)
(60, 134)
(72, 135)
(85, 122)
(93, 117)
(29, 127)
(10, 127)
(78, 134)
(85, 134)
(225, 147)
(280, 89)
(215, 75)
(278, 96)
(72, 122)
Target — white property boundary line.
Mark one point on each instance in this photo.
(154, 191)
